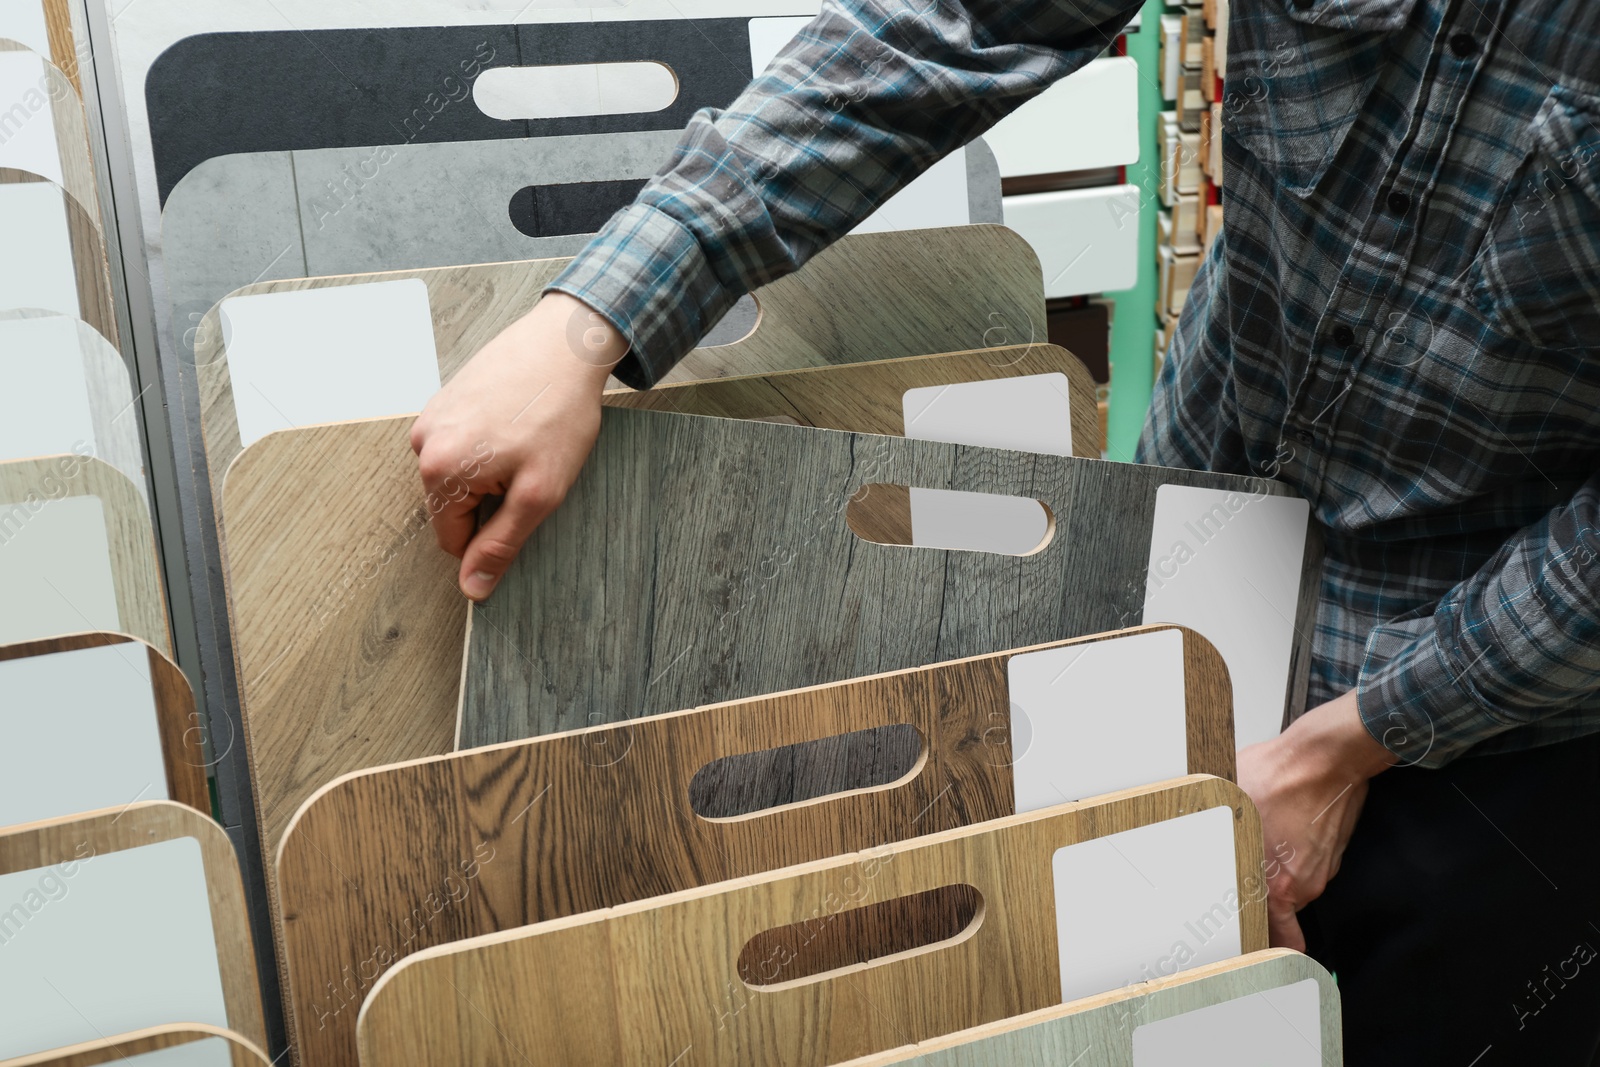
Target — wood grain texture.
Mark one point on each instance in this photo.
(55, 841)
(1063, 1035)
(698, 560)
(71, 129)
(347, 623)
(241, 1051)
(535, 830)
(27, 484)
(182, 742)
(657, 981)
(88, 259)
(60, 26)
(868, 297)
(866, 397)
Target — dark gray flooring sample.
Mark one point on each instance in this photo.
(699, 560)
(217, 94)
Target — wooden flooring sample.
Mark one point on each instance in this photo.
(180, 1045)
(869, 297)
(541, 829)
(77, 552)
(129, 711)
(1275, 1007)
(748, 971)
(872, 397)
(53, 140)
(348, 626)
(54, 257)
(119, 920)
(67, 389)
(698, 560)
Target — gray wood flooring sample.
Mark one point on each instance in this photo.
(699, 560)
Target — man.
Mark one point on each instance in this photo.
(1398, 321)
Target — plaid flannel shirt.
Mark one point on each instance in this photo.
(1399, 319)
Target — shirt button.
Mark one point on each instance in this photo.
(1343, 336)
(1305, 437)
(1463, 45)
(1399, 203)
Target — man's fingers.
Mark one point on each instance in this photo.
(495, 547)
(1283, 929)
(454, 522)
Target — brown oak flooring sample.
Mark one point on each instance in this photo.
(658, 981)
(28, 484)
(866, 397)
(31, 846)
(241, 1052)
(182, 741)
(89, 263)
(698, 560)
(1064, 1035)
(868, 297)
(535, 830)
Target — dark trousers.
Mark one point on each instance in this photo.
(1464, 924)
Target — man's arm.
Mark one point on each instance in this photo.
(867, 98)
(1516, 642)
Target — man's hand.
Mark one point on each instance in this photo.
(1309, 784)
(517, 421)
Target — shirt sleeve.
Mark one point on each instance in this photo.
(868, 96)
(1519, 641)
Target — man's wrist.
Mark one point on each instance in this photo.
(1333, 739)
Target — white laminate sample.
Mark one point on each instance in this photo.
(36, 268)
(80, 733)
(1228, 565)
(55, 568)
(1146, 903)
(1087, 120)
(1093, 718)
(1087, 239)
(329, 355)
(44, 394)
(977, 522)
(1280, 1026)
(27, 121)
(106, 945)
(1028, 413)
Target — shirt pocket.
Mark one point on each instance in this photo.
(1536, 276)
(1296, 79)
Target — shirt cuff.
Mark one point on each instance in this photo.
(647, 275)
(1416, 701)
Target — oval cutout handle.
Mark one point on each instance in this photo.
(950, 520)
(756, 783)
(834, 943)
(576, 90)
